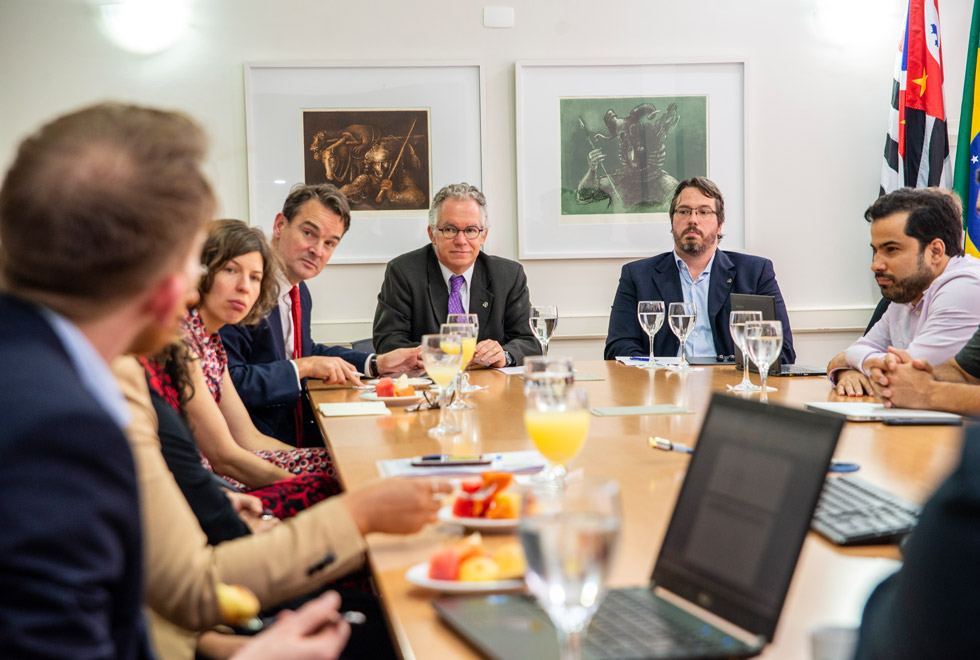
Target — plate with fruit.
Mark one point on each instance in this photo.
(486, 503)
(393, 393)
(468, 567)
(414, 382)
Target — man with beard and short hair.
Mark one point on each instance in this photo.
(919, 264)
(694, 271)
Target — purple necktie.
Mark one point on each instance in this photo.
(455, 302)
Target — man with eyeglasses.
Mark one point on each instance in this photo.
(694, 271)
(452, 275)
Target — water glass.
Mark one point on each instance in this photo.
(569, 536)
(763, 342)
(682, 316)
(467, 333)
(543, 321)
(651, 316)
(548, 371)
(473, 320)
(736, 325)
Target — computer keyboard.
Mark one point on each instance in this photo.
(852, 511)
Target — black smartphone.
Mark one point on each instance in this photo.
(922, 421)
(446, 460)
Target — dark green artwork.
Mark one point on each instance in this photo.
(626, 155)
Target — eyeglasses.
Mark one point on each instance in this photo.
(450, 232)
(685, 212)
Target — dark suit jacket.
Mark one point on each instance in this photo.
(265, 379)
(929, 609)
(414, 301)
(657, 278)
(70, 549)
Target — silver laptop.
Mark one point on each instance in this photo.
(767, 305)
(725, 564)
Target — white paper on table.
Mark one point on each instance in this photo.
(511, 371)
(631, 361)
(353, 408)
(508, 461)
(860, 411)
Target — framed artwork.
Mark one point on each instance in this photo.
(389, 135)
(601, 147)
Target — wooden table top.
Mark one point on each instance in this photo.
(829, 584)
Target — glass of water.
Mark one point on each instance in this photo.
(569, 537)
(651, 316)
(682, 317)
(763, 342)
(543, 321)
(736, 325)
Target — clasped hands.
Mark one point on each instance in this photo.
(897, 379)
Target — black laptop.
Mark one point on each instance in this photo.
(767, 305)
(726, 561)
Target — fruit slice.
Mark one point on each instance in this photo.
(463, 508)
(385, 387)
(478, 569)
(471, 485)
(504, 506)
(408, 390)
(444, 564)
(510, 561)
(237, 604)
(499, 479)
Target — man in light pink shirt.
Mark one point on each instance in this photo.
(916, 240)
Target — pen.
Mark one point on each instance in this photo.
(640, 359)
(667, 445)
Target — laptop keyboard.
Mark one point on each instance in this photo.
(851, 511)
(631, 623)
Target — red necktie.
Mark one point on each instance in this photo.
(297, 353)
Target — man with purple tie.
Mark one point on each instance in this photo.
(452, 275)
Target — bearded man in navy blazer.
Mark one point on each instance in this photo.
(268, 372)
(100, 233)
(694, 271)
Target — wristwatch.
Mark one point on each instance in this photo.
(509, 360)
(373, 365)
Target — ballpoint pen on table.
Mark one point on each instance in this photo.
(668, 445)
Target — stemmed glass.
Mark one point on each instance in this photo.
(467, 334)
(764, 341)
(557, 419)
(736, 325)
(543, 321)
(474, 320)
(569, 536)
(441, 356)
(682, 317)
(651, 316)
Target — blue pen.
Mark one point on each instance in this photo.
(667, 445)
(640, 359)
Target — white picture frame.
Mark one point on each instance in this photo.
(277, 94)
(544, 232)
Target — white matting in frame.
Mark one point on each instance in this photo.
(546, 229)
(277, 95)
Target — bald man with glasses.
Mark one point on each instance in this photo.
(694, 271)
(453, 275)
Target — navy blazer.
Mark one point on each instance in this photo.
(414, 301)
(70, 539)
(657, 278)
(929, 609)
(264, 377)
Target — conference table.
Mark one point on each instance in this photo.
(830, 583)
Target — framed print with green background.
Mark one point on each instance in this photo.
(601, 147)
(360, 126)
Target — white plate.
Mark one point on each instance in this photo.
(392, 400)
(414, 382)
(484, 524)
(419, 576)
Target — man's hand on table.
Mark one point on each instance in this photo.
(400, 360)
(906, 381)
(331, 370)
(396, 506)
(852, 382)
(490, 353)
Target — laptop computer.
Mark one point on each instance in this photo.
(767, 305)
(726, 561)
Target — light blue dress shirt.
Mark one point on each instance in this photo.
(91, 368)
(701, 342)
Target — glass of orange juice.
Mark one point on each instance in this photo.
(473, 320)
(441, 357)
(467, 333)
(557, 419)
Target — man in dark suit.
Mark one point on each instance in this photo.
(929, 608)
(423, 286)
(268, 372)
(695, 271)
(100, 219)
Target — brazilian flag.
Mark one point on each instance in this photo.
(968, 159)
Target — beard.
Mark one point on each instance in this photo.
(907, 289)
(694, 244)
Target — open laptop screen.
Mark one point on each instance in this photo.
(744, 509)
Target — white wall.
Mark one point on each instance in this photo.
(817, 91)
